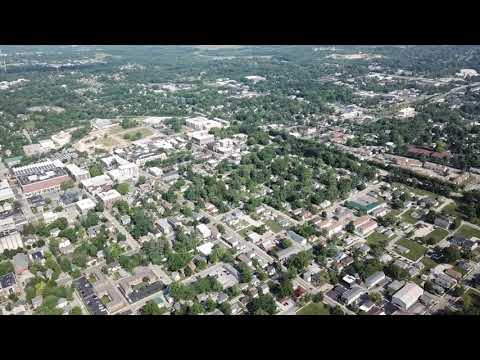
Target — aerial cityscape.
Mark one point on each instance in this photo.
(239, 180)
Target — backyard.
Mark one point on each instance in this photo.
(376, 238)
(416, 250)
(407, 217)
(314, 309)
(437, 235)
(468, 231)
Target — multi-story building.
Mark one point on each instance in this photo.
(41, 177)
(77, 173)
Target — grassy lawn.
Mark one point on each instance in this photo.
(437, 235)
(407, 217)
(143, 131)
(416, 250)
(275, 227)
(468, 231)
(452, 209)
(376, 238)
(429, 264)
(314, 309)
(395, 212)
(105, 299)
(418, 192)
(246, 230)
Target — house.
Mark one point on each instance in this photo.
(349, 280)
(352, 295)
(407, 296)
(164, 226)
(37, 301)
(464, 243)
(367, 305)
(125, 219)
(444, 281)
(254, 237)
(364, 225)
(85, 205)
(264, 288)
(454, 274)
(204, 231)
(206, 248)
(375, 279)
(443, 222)
(245, 259)
(296, 238)
(232, 240)
(284, 254)
(8, 284)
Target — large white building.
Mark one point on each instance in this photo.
(202, 123)
(407, 296)
(11, 241)
(77, 173)
(202, 137)
(109, 197)
(121, 169)
(6, 192)
(85, 205)
(97, 183)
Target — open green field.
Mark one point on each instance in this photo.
(132, 132)
(314, 309)
(437, 235)
(376, 238)
(408, 218)
(416, 250)
(274, 226)
(468, 231)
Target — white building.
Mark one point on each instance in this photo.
(109, 197)
(204, 230)
(11, 241)
(205, 249)
(406, 113)
(407, 296)
(77, 173)
(352, 295)
(85, 205)
(97, 182)
(375, 279)
(6, 192)
(202, 123)
(466, 73)
(202, 137)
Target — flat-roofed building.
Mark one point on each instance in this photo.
(85, 205)
(97, 184)
(77, 173)
(109, 198)
(407, 296)
(202, 123)
(41, 177)
(12, 241)
(202, 138)
(6, 192)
